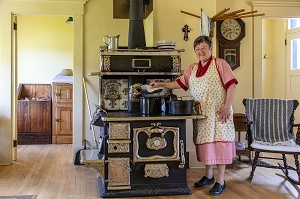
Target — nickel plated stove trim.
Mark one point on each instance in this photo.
(156, 170)
(182, 161)
(105, 56)
(147, 118)
(134, 73)
(118, 173)
(119, 130)
(156, 143)
(176, 64)
(150, 130)
(105, 63)
(118, 146)
(140, 51)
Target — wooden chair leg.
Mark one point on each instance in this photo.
(255, 160)
(285, 164)
(297, 166)
(249, 156)
(285, 168)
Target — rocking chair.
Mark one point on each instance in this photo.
(270, 125)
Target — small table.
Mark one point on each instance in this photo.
(241, 127)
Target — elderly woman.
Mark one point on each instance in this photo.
(212, 84)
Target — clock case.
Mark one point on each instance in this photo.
(230, 49)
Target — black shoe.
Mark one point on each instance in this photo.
(204, 181)
(217, 189)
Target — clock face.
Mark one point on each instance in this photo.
(230, 29)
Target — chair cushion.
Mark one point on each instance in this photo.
(271, 119)
(289, 146)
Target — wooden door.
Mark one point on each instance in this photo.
(293, 68)
(63, 93)
(62, 123)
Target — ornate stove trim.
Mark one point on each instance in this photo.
(118, 146)
(176, 64)
(112, 90)
(119, 130)
(105, 63)
(140, 60)
(118, 173)
(156, 170)
(156, 143)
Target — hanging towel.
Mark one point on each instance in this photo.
(204, 24)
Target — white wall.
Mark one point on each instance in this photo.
(279, 58)
(273, 58)
(45, 47)
(267, 58)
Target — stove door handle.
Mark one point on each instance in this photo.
(182, 156)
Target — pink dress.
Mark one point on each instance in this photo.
(215, 141)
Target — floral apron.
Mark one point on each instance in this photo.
(209, 91)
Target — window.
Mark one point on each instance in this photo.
(293, 35)
(295, 54)
(294, 23)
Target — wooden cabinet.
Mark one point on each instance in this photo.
(62, 113)
(34, 114)
(241, 127)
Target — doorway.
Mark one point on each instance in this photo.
(44, 46)
(293, 62)
(279, 79)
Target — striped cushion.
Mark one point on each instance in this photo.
(271, 119)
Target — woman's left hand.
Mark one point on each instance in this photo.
(223, 114)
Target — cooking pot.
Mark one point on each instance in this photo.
(181, 107)
(166, 104)
(150, 105)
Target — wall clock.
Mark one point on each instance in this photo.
(229, 34)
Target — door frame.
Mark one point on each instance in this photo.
(271, 10)
(292, 76)
(8, 76)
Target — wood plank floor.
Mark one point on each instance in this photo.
(48, 172)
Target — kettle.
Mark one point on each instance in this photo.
(111, 42)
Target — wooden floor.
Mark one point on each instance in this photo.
(48, 172)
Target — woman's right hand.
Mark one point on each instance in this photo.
(155, 84)
(170, 85)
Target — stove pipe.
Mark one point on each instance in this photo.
(136, 35)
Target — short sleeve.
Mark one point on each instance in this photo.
(183, 80)
(225, 72)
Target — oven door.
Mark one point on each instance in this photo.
(158, 153)
(155, 144)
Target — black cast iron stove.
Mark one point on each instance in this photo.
(139, 155)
